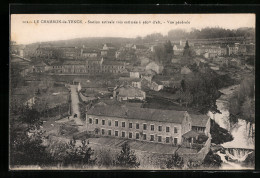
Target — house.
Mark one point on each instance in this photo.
(136, 72)
(89, 53)
(178, 49)
(108, 46)
(144, 60)
(144, 124)
(155, 85)
(56, 67)
(135, 82)
(72, 67)
(117, 54)
(158, 68)
(148, 75)
(200, 123)
(39, 67)
(139, 47)
(128, 92)
(185, 70)
(235, 62)
(232, 50)
(113, 67)
(221, 61)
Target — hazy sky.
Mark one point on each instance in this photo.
(25, 33)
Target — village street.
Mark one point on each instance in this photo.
(75, 107)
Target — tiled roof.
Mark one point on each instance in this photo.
(199, 120)
(138, 113)
(190, 134)
(113, 63)
(74, 63)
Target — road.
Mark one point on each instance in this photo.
(75, 106)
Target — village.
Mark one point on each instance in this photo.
(155, 96)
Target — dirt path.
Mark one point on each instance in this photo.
(75, 107)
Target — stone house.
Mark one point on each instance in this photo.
(185, 70)
(201, 123)
(128, 92)
(144, 124)
(89, 53)
(232, 50)
(158, 68)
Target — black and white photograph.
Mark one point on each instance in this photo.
(132, 92)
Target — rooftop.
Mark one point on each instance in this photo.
(138, 113)
(74, 63)
(199, 120)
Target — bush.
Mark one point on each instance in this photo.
(175, 162)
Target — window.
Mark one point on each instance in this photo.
(137, 126)
(144, 136)
(159, 138)
(175, 130)
(175, 141)
(144, 126)
(103, 122)
(90, 120)
(109, 123)
(123, 134)
(159, 128)
(152, 138)
(130, 125)
(167, 140)
(116, 133)
(116, 123)
(152, 127)
(123, 124)
(137, 135)
(96, 121)
(103, 131)
(130, 135)
(109, 132)
(167, 129)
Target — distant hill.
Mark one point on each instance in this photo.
(95, 42)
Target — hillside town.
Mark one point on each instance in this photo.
(156, 97)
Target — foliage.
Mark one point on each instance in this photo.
(29, 115)
(242, 104)
(201, 90)
(193, 164)
(175, 162)
(67, 130)
(78, 155)
(127, 158)
(164, 53)
(219, 135)
(105, 158)
(208, 32)
(212, 160)
(184, 97)
(25, 150)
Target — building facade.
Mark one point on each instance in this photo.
(150, 125)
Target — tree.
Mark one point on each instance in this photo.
(175, 162)
(29, 116)
(127, 158)
(79, 155)
(27, 150)
(105, 158)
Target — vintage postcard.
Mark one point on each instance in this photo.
(132, 91)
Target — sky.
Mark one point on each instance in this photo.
(39, 31)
